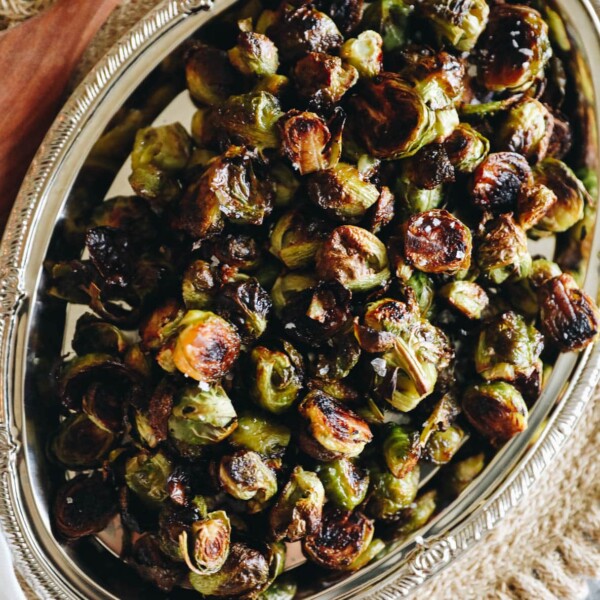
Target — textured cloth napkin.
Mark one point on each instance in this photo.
(548, 546)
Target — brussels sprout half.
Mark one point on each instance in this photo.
(345, 483)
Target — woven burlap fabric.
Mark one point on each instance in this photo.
(545, 548)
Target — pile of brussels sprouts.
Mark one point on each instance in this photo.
(324, 287)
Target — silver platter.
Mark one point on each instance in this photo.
(31, 335)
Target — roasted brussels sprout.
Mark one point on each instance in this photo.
(419, 513)
(245, 476)
(569, 318)
(79, 443)
(308, 142)
(456, 22)
(502, 252)
(260, 434)
(245, 571)
(571, 197)
(161, 324)
(507, 348)
(254, 54)
(206, 347)
(322, 79)
(331, 430)
(146, 475)
(83, 506)
(413, 351)
(342, 193)
(276, 378)
(153, 565)
(247, 305)
(295, 239)
(304, 29)
(206, 548)
(514, 49)
(437, 242)
(95, 336)
(393, 119)
(344, 536)
(299, 507)
(467, 297)
(337, 358)
(527, 129)
(159, 153)
(389, 18)
(401, 450)
(355, 258)
(498, 180)
(345, 483)
(466, 148)
(250, 119)
(464, 472)
(390, 495)
(199, 285)
(444, 444)
(311, 313)
(364, 53)
(534, 203)
(202, 417)
(497, 410)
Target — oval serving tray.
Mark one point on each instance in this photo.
(31, 332)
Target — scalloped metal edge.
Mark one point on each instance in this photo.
(425, 561)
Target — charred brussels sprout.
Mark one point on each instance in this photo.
(247, 305)
(437, 242)
(466, 148)
(83, 506)
(502, 252)
(342, 193)
(535, 202)
(80, 444)
(571, 197)
(202, 417)
(158, 155)
(345, 483)
(389, 18)
(206, 346)
(153, 565)
(514, 49)
(312, 313)
(401, 450)
(146, 475)
(210, 77)
(337, 359)
(301, 30)
(251, 119)
(308, 142)
(322, 79)
(467, 297)
(457, 22)
(245, 476)
(254, 54)
(507, 348)
(230, 187)
(344, 536)
(245, 571)
(161, 324)
(393, 119)
(95, 336)
(364, 53)
(296, 239)
(498, 180)
(527, 129)
(299, 507)
(206, 548)
(331, 430)
(260, 434)
(497, 410)
(569, 317)
(355, 258)
(390, 495)
(276, 378)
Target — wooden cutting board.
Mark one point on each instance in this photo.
(37, 59)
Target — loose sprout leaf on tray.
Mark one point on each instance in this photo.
(312, 286)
